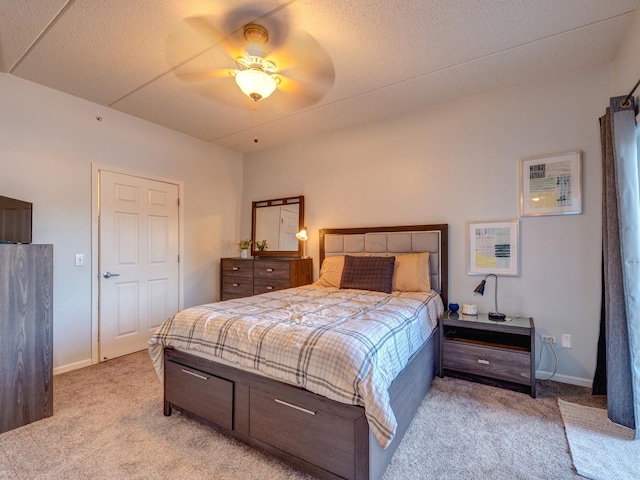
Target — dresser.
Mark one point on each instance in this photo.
(26, 334)
(243, 277)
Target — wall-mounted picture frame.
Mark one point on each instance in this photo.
(493, 247)
(551, 184)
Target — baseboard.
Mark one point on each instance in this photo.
(582, 382)
(72, 366)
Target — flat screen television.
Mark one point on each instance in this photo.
(15, 220)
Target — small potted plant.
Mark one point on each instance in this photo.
(244, 245)
(262, 245)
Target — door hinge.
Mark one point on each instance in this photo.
(178, 258)
(178, 201)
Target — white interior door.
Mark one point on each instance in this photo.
(288, 229)
(138, 260)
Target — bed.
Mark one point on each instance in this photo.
(276, 392)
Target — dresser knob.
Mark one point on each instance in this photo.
(236, 284)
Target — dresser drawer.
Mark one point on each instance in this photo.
(200, 393)
(264, 285)
(271, 269)
(490, 362)
(237, 267)
(239, 286)
(293, 426)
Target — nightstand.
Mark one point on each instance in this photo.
(501, 354)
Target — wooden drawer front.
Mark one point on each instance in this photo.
(489, 362)
(318, 437)
(271, 269)
(232, 296)
(264, 285)
(237, 286)
(237, 268)
(200, 393)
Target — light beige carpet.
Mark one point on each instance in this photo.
(601, 450)
(108, 424)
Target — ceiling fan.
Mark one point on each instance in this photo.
(256, 76)
(263, 56)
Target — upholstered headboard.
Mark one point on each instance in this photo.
(387, 241)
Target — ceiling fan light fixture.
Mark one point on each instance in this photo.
(255, 84)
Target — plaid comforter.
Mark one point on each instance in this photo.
(347, 345)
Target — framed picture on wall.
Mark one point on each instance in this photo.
(492, 247)
(551, 185)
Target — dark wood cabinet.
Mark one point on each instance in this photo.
(243, 277)
(26, 335)
(476, 348)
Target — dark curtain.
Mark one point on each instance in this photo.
(620, 322)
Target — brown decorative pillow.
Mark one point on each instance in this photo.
(368, 273)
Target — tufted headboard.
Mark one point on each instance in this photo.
(387, 241)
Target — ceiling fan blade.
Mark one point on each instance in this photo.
(231, 43)
(304, 67)
(296, 94)
(221, 73)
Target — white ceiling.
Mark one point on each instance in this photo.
(153, 58)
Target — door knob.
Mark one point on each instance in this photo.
(109, 275)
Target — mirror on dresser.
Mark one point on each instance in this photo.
(277, 221)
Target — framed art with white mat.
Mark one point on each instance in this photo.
(492, 247)
(551, 184)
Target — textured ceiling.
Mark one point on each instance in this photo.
(342, 61)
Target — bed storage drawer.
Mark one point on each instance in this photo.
(300, 428)
(490, 362)
(200, 393)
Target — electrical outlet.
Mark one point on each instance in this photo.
(548, 338)
(565, 338)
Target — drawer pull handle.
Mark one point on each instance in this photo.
(269, 287)
(483, 361)
(235, 269)
(269, 269)
(287, 404)
(197, 375)
(236, 284)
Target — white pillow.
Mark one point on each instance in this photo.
(331, 271)
(411, 273)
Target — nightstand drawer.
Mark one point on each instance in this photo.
(490, 362)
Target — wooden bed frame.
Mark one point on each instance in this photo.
(328, 439)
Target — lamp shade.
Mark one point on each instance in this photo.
(480, 288)
(302, 235)
(495, 315)
(255, 84)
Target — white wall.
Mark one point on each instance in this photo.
(459, 162)
(626, 68)
(48, 141)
